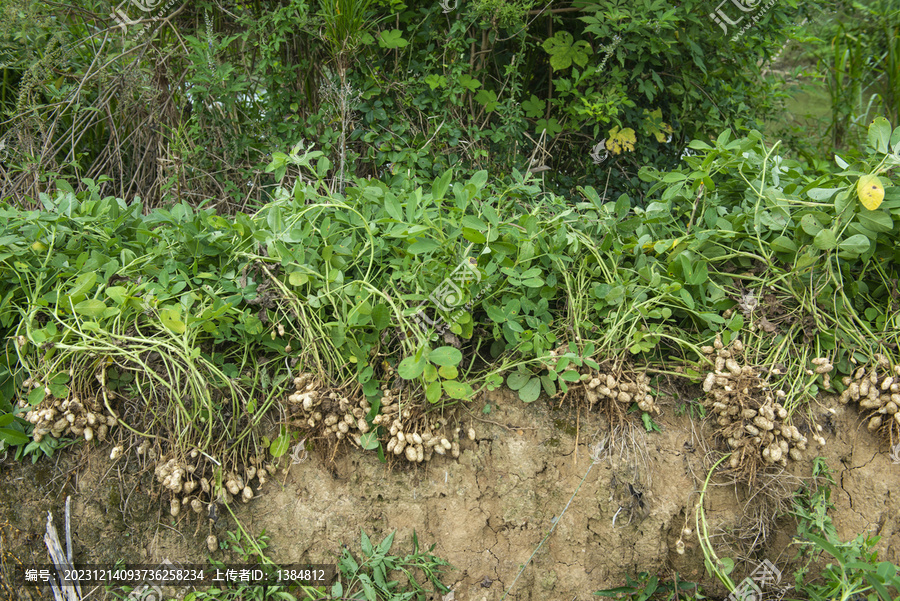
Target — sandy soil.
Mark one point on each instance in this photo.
(487, 513)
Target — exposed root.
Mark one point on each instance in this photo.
(401, 424)
(752, 421)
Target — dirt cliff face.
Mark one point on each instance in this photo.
(489, 511)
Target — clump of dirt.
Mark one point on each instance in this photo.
(487, 513)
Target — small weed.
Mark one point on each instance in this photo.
(692, 407)
(649, 424)
(856, 570)
(371, 578)
(647, 588)
(249, 551)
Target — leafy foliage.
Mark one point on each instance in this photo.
(371, 575)
(647, 588)
(456, 285)
(856, 570)
(394, 84)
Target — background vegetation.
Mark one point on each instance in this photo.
(186, 103)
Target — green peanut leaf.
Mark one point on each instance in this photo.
(369, 441)
(517, 380)
(433, 392)
(445, 356)
(531, 391)
(457, 390)
(411, 368)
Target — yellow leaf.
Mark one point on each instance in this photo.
(870, 191)
(662, 135)
(653, 124)
(619, 141)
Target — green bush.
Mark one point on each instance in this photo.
(380, 87)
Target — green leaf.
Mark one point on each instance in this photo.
(448, 372)
(827, 547)
(392, 206)
(385, 545)
(298, 279)
(170, 318)
(479, 179)
(13, 437)
(445, 355)
(877, 221)
(487, 99)
(117, 294)
(855, 245)
(472, 222)
(825, 240)
(253, 325)
(700, 275)
(433, 392)
(369, 441)
(726, 565)
(469, 82)
(392, 39)
(810, 225)
(411, 367)
(431, 373)
(783, 244)
(91, 308)
(441, 184)
(552, 126)
(280, 445)
(549, 385)
(83, 284)
(366, 544)
(563, 51)
(531, 391)
(517, 380)
(435, 81)
(821, 193)
(570, 375)
(473, 236)
(423, 245)
(457, 390)
(381, 316)
(534, 107)
(880, 135)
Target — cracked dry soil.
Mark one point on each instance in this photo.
(487, 513)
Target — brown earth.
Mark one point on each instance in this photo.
(486, 513)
